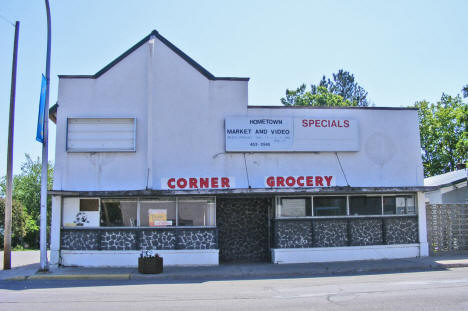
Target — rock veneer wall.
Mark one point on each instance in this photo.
(304, 233)
(243, 228)
(139, 239)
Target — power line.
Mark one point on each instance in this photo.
(7, 20)
(346, 179)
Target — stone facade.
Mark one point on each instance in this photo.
(330, 233)
(80, 240)
(303, 233)
(243, 229)
(196, 239)
(139, 239)
(401, 230)
(367, 231)
(118, 240)
(294, 233)
(158, 239)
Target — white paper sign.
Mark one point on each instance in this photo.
(293, 207)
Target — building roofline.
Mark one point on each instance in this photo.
(175, 49)
(452, 183)
(328, 107)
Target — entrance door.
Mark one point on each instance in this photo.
(243, 229)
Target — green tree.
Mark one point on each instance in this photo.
(22, 223)
(27, 192)
(342, 90)
(320, 98)
(444, 137)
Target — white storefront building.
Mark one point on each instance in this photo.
(154, 152)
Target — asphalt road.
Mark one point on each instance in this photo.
(434, 290)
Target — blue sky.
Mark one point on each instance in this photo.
(399, 51)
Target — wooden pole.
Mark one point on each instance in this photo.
(9, 177)
(45, 156)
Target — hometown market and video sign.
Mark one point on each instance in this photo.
(270, 134)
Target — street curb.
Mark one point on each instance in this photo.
(124, 276)
(453, 265)
(252, 274)
(16, 278)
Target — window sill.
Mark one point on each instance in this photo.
(344, 217)
(139, 228)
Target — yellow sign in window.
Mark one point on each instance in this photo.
(158, 217)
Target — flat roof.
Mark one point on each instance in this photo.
(328, 107)
(447, 179)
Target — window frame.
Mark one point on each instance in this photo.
(278, 199)
(195, 198)
(138, 201)
(348, 196)
(128, 199)
(90, 150)
(333, 195)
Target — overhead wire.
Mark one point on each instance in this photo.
(7, 20)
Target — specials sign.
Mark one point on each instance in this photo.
(270, 134)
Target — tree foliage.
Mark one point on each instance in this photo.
(22, 223)
(319, 98)
(342, 90)
(444, 137)
(27, 194)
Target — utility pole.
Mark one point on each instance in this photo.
(9, 177)
(45, 156)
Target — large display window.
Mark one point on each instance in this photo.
(154, 212)
(158, 213)
(345, 205)
(118, 213)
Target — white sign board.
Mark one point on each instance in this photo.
(269, 134)
(101, 134)
(258, 134)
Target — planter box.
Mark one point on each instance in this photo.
(150, 265)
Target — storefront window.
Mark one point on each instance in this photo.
(365, 205)
(345, 205)
(196, 212)
(389, 204)
(330, 206)
(294, 207)
(118, 213)
(399, 205)
(158, 213)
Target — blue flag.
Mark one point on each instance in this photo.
(42, 113)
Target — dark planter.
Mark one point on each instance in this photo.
(150, 265)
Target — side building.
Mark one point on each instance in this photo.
(451, 188)
(154, 152)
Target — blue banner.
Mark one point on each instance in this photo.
(42, 113)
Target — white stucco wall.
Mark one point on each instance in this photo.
(180, 132)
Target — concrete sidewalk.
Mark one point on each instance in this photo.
(242, 271)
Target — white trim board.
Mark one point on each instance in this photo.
(130, 258)
(329, 254)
